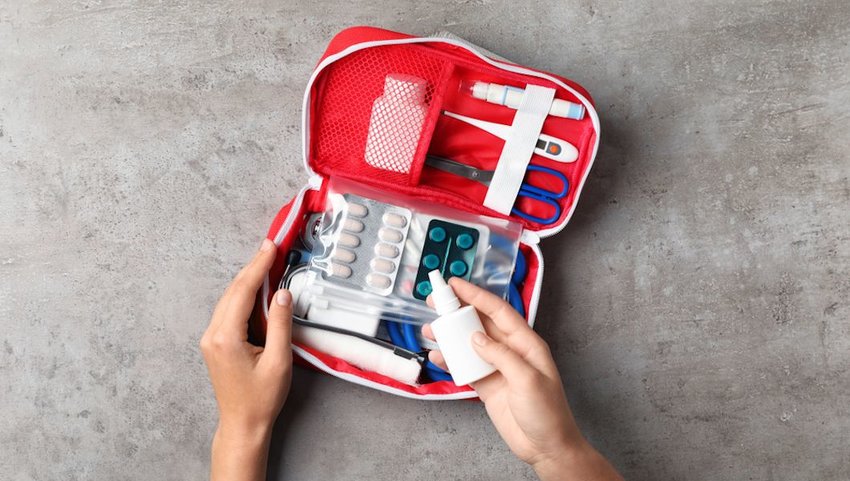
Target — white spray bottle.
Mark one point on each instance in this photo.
(453, 331)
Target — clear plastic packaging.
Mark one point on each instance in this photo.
(372, 251)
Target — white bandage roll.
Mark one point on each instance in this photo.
(360, 353)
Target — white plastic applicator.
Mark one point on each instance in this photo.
(453, 332)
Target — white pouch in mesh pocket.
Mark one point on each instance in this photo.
(396, 123)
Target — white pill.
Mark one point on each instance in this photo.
(386, 250)
(382, 265)
(378, 281)
(344, 255)
(352, 225)
(357, 210)
(348, 240)
(389, 235)
(394, 220)
(340, 270)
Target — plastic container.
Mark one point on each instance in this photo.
(453, 332)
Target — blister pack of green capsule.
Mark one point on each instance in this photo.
(449, 248)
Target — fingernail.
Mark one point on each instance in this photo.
(266, 246)
(479, 338)
(283, 297)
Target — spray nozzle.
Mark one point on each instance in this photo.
(443, 296)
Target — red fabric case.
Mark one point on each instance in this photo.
(338, 104)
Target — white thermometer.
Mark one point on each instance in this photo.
(547, 146)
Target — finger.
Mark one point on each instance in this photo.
(491, 305)
(279, 328)
(437, 358)
(504, 359)
(242, 292)
(493, 331)
(526, 343)
(428, 332)
(515, 331)
(489, 386)
(220, 307)
(238, 283)
(250, 278)
(489, 325)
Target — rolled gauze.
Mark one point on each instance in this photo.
(360, 353)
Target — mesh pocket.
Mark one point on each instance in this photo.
(379, 97)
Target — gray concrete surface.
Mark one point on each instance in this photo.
(697, 304)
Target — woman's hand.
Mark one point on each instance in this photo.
(524, 397)
(251, 383)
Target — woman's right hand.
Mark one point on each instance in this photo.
(524, 397)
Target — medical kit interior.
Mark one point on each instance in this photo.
(429, 158)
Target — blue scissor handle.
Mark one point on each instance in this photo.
(543, 192)
(517, 278)
(542, 195)
(520, 269)
(515, 299)
(534, 218)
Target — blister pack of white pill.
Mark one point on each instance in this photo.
(366, 249)
(361, 242)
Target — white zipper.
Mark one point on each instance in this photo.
(538, 285)
(591, 112)
(278, 238)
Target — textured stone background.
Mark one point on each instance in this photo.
(697, 304)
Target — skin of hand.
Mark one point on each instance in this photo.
(250, 382)
(525, 397)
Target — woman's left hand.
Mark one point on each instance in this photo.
(251, 383)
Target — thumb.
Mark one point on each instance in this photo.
(279, 329)
(509, 363)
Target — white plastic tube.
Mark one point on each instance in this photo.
(512, 96)
(453, 331)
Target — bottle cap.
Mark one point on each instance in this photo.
(479, 90)
(405, 88)
(443, 296)
(475, 88)
(566, 109)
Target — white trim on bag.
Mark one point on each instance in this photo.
(538, 286)
(278, 238)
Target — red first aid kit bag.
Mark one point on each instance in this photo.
(455, 82)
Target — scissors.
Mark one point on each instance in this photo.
(526, 190)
